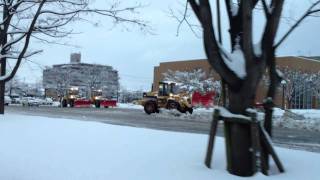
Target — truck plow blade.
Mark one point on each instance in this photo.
(82, 103)
(108, 103)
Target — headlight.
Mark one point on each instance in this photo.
(72, 96)
(170, 94)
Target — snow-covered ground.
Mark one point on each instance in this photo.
(308, 119)
(39, 148)
(306, 113)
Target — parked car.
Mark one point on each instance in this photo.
(47, 101)
(15, 99)
(7, 100)
(30, 101)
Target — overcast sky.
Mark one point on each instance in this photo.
(134, 54)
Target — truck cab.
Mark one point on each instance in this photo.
(70, 96)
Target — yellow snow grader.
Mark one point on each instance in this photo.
(166, 97)
(98, 100)
(70, 96)
(96, 97)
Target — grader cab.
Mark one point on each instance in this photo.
(96, 97)
(166, 97)
(70, 97)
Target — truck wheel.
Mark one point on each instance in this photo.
(182, 109)
(97, 104)
(190, 110)
(72, 103)
(150, 107)
(173, 105)
(64, 103)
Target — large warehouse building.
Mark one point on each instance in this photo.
(303, 100)
(58, 78)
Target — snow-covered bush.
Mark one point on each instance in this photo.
(300, 87)
(127, 96)
(190, 81)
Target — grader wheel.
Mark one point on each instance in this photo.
(173, 105)
(150, 107)
(97, 104)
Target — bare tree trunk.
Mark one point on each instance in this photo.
(3, 61)
(2, 85)
(238, 137)
(241, 90)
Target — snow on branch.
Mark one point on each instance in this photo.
(227, 114)
(234, 8)
(235, 61)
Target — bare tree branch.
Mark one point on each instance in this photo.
(266, 8)
(212, 48)
(184, 19)
(23, 19)
(309, 12)
(247, 31)
(26, 44)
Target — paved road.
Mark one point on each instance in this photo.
(297, 139)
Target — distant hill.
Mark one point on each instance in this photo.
(312, 57)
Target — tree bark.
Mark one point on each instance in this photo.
(238, 136)
(241, 91)
(3, 61)
(2, 85)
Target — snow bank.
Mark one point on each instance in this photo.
(308, 119)
(308, 113)
(129, 106)
(37, 148)
(56, 104)
(307, 124)
(203, 115)
(300, 119)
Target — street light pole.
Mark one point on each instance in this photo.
(283, 83)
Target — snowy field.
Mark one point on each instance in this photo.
(38, 148)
